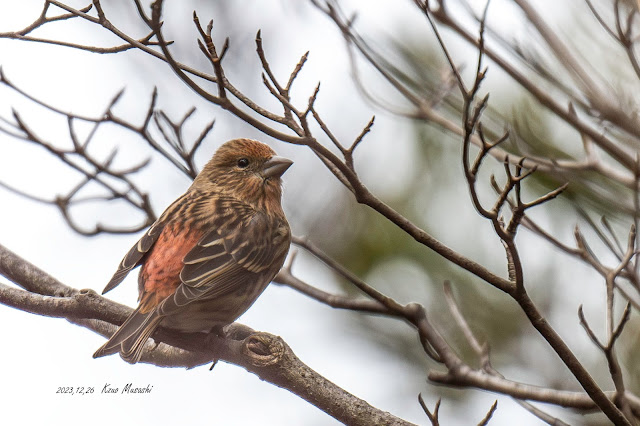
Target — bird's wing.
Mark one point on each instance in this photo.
(244, 245)
(144, 244)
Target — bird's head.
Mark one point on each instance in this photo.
(247, 169)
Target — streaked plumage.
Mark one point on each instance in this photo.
(212, 252)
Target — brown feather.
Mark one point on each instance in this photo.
(212, 252)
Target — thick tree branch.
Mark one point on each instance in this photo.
(263, 354)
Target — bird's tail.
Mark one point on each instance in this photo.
(130, 338)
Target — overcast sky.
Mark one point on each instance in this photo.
(42, 355)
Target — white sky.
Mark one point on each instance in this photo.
(42, 354)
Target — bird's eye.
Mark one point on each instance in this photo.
(243, 162)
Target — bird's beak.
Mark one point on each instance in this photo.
(275, 167)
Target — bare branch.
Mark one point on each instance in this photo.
(487, 418)
(263, 354)
(433, 417)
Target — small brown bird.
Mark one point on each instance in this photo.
(212, 252)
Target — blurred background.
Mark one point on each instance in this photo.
(411, 165)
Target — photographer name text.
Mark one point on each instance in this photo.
(108, 388)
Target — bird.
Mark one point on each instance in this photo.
(212, 252)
